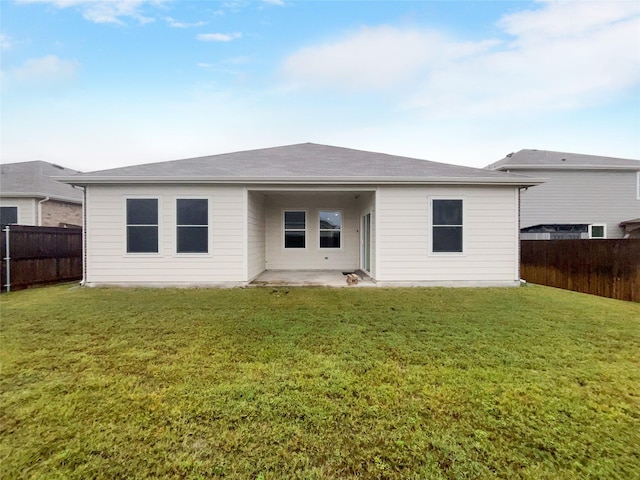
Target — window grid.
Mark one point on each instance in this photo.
(142, 233)
(447, 225)
(294, 236)
(192, 225)
(326, 239)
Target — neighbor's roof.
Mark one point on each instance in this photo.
(306, 163)
(630, 222)
(34, 179)
(545, 159)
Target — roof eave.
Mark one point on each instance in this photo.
(502, 168)
(41, 196)
(106, 180)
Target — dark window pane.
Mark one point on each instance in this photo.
(294, 239)
(192, 211)
(597, 231)
(447, 239)
(330, 220)
(142, 211)
(295, 220)
(447, 212)
(329, 239)
(193, 239)
(8, 215)
(142, 239)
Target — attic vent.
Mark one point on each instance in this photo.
(564, 159)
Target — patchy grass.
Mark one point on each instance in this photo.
(319, 383)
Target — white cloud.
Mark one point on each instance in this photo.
(279, 3)
(5, 42)
(218, 37)
(104, 11)
(559, 56)
(49, 67)
(376, 57)
(176, 24)
(557, 20)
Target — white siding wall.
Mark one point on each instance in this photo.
(312, 257)
(242, 246)
(490, 237)
(27, 209)
(592, 197)
(368, 205)
(256, 234)
(108, 262)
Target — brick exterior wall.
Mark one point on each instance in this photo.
(56, 214)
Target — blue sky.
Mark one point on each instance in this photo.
(100, 84)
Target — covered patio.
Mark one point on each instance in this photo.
(308, 278)
(310, 236)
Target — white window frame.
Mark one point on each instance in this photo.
(209, 226)
(17, 207)
(638, 185)
(124, 236)
(334, 249)
(464, 230)
(604, 230)
(305, 230)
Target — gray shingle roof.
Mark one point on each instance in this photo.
(34, 179)
(545, 159)
(300, 163)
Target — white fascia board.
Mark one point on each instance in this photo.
(40, 196)
(521, 182)
(304, 188)
(503, 168)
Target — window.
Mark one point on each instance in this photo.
(142, 225)
(446, 226)
(330, 228)
(192, 224)
(598, 231)
(8, 215)
(295, 229)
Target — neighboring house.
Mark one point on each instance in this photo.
(225, 219)
(30, 196)
(584, 196)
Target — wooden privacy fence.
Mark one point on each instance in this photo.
(40, 255)
(609, 268)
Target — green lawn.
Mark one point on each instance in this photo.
(318, 383)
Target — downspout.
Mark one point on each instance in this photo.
(45, 199)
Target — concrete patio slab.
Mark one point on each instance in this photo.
(318, 278)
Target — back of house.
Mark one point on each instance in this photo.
(583, 196)
(224, 219)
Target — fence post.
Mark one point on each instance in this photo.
(7, 258)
